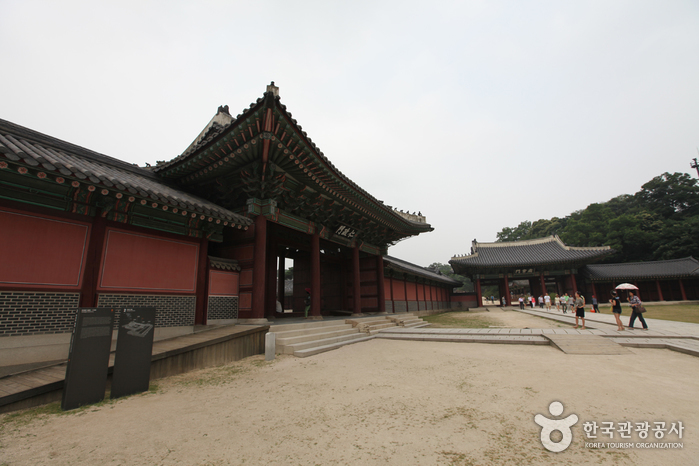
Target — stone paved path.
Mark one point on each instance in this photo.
(677, 336)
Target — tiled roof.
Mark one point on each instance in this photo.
(52, 156)
(536, 252)
(403, 266)
(677, 268)
(224, 264)
(213, 132)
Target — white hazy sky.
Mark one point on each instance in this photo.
(479, 114)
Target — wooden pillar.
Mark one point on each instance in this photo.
(479, 294)
(575, 285)
(356, 283)
(684, 295)
(315, 275)
(202, 299)
(271, 285)
(281, 279)
(258, 272)
(660, 291)
(507, 291)
(543, 284)
(380, 283)
(88, 293)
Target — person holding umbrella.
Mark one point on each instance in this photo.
(635, 305)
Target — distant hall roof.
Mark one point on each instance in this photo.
(528, 253)
(676, 268)
(407, 267)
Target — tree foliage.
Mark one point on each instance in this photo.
(661, 221)
(446, 270)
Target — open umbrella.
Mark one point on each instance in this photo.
(626, 286)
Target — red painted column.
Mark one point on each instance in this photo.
(660, 291)
(202, 299)
(380, 283)
(684, 295)
(271, 293)
(575, 285)
(88, 294)
(543, 284)
(594, 292)
(259, 274)
(315, 275)
(507, 291)
(479, 295)
(356, 284)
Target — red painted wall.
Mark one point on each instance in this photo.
(40, 251)
(398, 290)
(223, 283)
(140, 262)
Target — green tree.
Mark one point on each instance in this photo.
(446, 270)
(671, 195)
(522, 231)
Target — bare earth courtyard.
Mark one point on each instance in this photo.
(379, 402)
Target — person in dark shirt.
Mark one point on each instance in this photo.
(616, 310)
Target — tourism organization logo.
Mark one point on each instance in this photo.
(549, 426)
(597, 431)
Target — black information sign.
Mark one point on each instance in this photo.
(133, 353)
(88, 358)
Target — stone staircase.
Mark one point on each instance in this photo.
(309, 338)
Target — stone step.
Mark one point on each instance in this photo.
(366, 320)
(302, 338)
(292, 349)
(310, 331)
(377, 326)
(416, 324)
(321, 349)
(310, 324)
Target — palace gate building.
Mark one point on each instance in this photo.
(545, 264)
(204, 237)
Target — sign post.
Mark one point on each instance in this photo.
(88, 358)
(134, 351)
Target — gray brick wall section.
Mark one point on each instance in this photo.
(412, 306)
(400, 306)
(37, 313)
(222, 307)
(171, 311)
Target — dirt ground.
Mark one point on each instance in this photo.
(378, 402)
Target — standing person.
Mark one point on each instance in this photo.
(558, 303)
(547, 300)
(595, 305)
(533, 301)
(521, 303)
(564, 301)
(635, 304)
(579, 309)
(616, 309)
